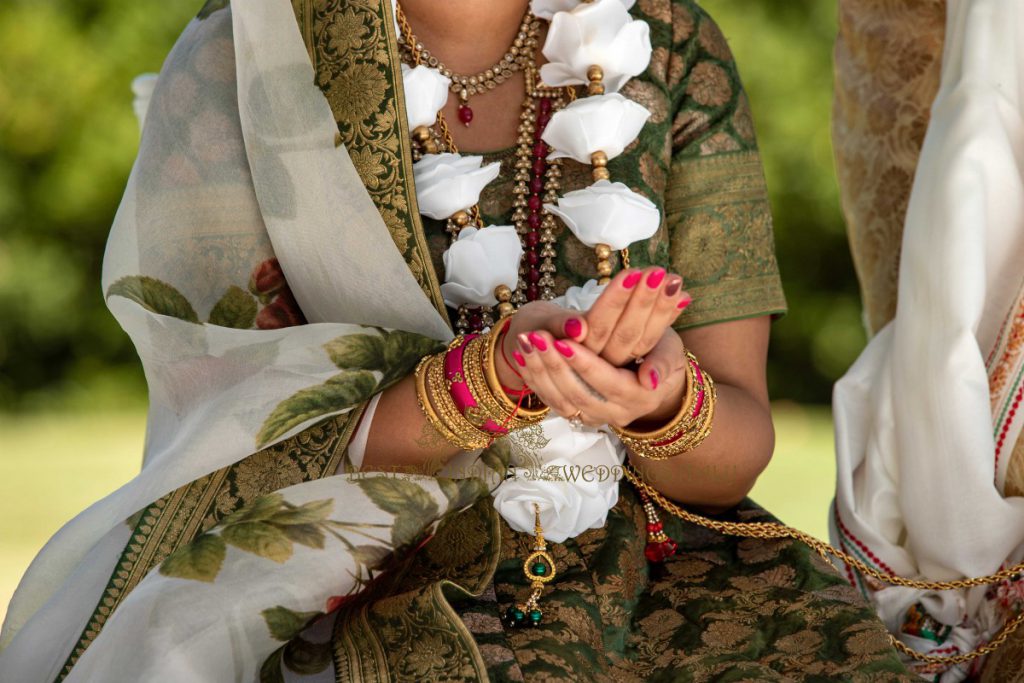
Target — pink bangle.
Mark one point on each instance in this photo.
(461, 395)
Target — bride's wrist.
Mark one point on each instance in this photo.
(666, 411)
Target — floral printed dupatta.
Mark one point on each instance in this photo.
(235, 537)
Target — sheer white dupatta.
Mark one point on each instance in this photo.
(916, 491)
(237, 164)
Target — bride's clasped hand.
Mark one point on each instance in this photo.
(616, 364)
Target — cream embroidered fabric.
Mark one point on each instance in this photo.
(917, 481)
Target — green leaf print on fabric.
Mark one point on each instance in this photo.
(270, 672)
(210, 7)
(200, 560)
(284, 624)
(237, 309)
(260, 538)
(268, 528)
(411, 505)
(392, 353)
(339, 393)
(154, 295)
(462, 492)
(403, 350)
(357, 352)
(308, 535)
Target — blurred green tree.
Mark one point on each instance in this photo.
(68, 136)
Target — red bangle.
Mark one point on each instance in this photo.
(516, 393)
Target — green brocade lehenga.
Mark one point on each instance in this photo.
(723, 609)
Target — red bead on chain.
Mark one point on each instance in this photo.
(659, 546)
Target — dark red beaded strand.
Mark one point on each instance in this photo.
(537, 183)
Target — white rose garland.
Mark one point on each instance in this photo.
(574, 478)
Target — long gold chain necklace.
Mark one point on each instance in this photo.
(537, 181)
(519, 54)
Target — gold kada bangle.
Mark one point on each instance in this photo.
(685, 431)
(491, 405)
(471, 437)
(443, 416)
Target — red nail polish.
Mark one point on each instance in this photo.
(573, 328)
(537, 341)
(672, 287)
(524, 343)
(655, 278)
(519, 359)
(684, 302)
(632, 279)
(654, 379)
(564, 349)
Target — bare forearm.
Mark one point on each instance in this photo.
(401, 439)
(721, 471)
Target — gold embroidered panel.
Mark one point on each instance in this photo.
(354, 52)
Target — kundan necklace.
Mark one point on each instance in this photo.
(518, 55)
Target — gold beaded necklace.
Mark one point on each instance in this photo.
(515, 59)
(537, 181)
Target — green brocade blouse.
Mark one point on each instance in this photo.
(724, 608)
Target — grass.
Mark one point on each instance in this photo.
(52, 467)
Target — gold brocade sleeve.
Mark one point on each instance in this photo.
(717, 213)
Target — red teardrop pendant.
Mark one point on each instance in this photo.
(465, 114)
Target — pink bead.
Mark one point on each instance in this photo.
(465, 114)
(539, 166)
(533, 220)
(537, 185)
(534, 203)
(540, 150)
(545, 105)
(532, 238)
(532, 258)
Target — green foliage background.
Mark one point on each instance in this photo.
(68, 137)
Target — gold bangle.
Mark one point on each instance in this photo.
(683, 434)
(422, 397)
(673, 425)
(469, 435)
(490, 405)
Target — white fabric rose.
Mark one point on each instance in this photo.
(545, 9)
(446, 183)
(605, 123)
(580, 298)
(601, 33)
(142, 88)
(478, 262)
(574, 487)
(426, 91)
(607, 213)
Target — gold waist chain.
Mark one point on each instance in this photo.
(769, 530)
